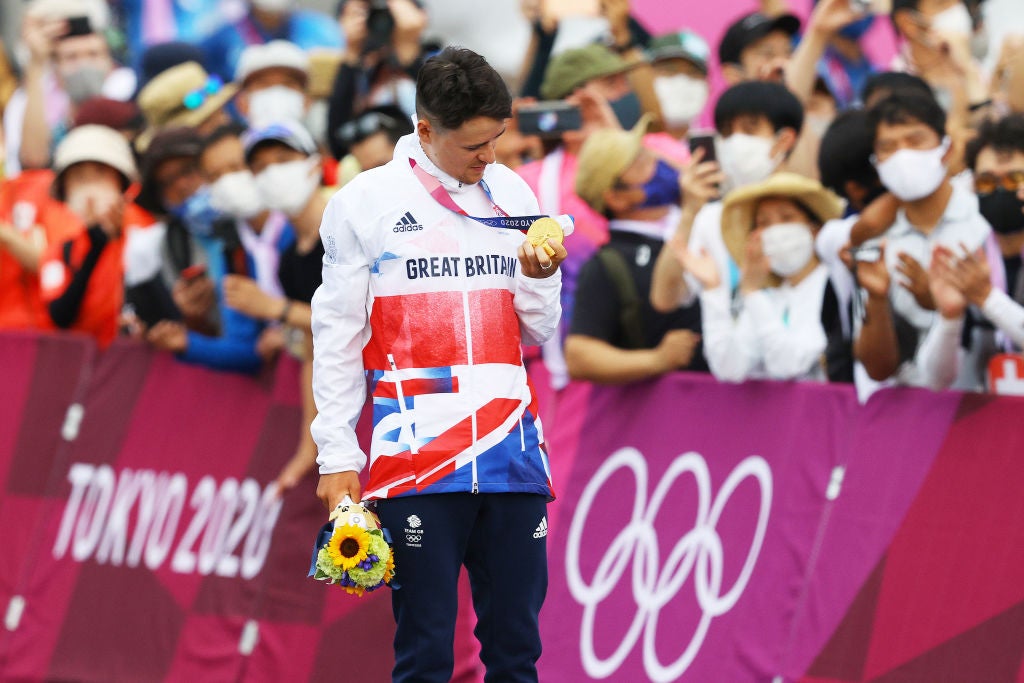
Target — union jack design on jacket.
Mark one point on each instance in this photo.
(429, 308)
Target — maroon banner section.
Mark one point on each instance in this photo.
(148, 540)
(703, 531)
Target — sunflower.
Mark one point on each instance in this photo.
(389, 570)
(348, 546)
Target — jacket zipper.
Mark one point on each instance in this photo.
(469, 369)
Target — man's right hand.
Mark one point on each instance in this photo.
(700, 181)
(334, 487)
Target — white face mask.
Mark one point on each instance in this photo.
(288, 186)
(954, 20)
(276, 104)
(236, 194)
(788, 246)
(913, 174)
(681, 98)
(277, 6)
(746, 159)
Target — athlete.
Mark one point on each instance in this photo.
(429, 290)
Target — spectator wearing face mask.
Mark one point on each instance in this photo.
(995, 317)
(193, 252)
(69, 62)
(371, 137)
(936, 45)
(204, 246)
(285, 165)
(266, 21)
(594, 79)
(789, 323)
(261, 232)
(757, 47)
(911, 151)
(184, 96)
(757, 124)
(83, 279)
(272, 82)
(615, 336)
(680, 63)
(383, 55)
(283, 157)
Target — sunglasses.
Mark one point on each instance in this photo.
(987, 183)
(197, 97)
(365, 126)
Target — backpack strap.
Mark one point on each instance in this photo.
(630, 306)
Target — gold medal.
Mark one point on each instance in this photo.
(542, 230)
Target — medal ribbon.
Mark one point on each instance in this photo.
(441, 195)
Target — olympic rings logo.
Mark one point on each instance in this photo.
(699, 550)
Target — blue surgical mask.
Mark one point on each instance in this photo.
(663, 187)
(197, 213)
(627, 110)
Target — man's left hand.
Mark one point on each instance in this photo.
(536, 263)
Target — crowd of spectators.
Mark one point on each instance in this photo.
(164, 179)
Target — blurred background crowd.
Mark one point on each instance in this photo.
(771, 200)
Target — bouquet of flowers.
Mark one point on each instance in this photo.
(353, 551)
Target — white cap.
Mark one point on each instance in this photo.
(281, 54)
(93, 142)
(97, 11)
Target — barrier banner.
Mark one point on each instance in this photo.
(712, 532)
(160, 551)
(703, 531)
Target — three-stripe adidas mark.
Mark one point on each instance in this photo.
(542, 528)
(407, 224)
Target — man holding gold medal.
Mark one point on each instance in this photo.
(430, 287)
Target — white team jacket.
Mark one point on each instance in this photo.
(429, 308)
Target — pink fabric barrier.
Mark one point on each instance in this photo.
(703, 531)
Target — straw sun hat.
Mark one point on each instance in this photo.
(740, 206)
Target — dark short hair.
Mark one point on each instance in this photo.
(845, 153)
(228, 130)
(457, 85)
(890, 82)
(760, 98)
(907, 108)
(1002, 135)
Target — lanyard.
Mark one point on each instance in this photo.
(441, 195)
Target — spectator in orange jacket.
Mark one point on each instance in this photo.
(83, 279)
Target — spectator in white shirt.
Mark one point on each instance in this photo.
(927, 210)
(784, 323)
(758, 124)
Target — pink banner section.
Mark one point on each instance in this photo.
(703, 531)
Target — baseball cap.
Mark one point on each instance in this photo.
(289, 133)
(750, 29)
(683, 44)
(277, 54)
(604, 157)
(575, 67)
(100, 144)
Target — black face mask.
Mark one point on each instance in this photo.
(1002, 210)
